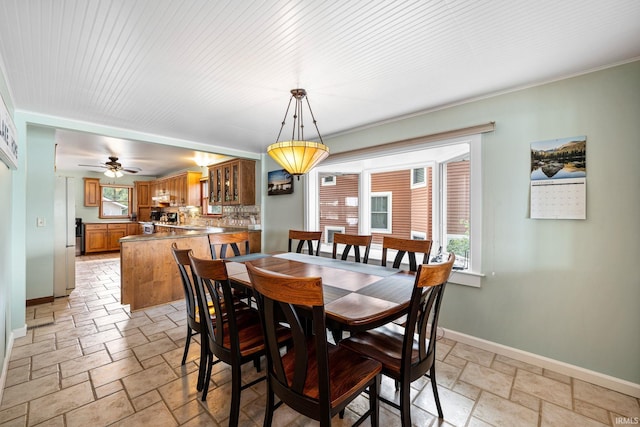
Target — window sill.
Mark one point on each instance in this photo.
(466, 278)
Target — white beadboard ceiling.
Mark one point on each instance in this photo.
(220, 72)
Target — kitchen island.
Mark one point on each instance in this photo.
(149, 275)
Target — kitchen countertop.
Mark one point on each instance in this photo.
(185, 231)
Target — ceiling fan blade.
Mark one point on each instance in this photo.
(131, 170)
(94, 166)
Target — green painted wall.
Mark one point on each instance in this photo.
(40, 190)
(563, 289)
(6, 270)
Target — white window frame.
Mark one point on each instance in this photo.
(328, 228)
(415, 184)
(391, 158)
(421, 235)
(325, 182)
(389, 197)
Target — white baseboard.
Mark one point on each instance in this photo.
(20, 332)
(612, 383)
(5, 365)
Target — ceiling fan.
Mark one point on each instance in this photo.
(114, 168)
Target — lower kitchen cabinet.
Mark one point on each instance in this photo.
(115, 232)
(105, 237)
(95, 238)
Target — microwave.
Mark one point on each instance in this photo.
(155, 215)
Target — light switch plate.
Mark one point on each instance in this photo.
(40, 222)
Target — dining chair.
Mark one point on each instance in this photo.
(222, 243)
(406, 246)
(194, 325)
(355, 241)
(227, 245)
(308, 237)
(407, 353)
(313, 377)
(233, 339)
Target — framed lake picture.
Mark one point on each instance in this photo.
(279, 182)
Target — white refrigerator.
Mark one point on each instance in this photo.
(64, 257)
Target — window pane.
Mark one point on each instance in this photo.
(379, 220)
(379, 204)
(418, 176)
(458, 193)
(115, 201)
(339, 204)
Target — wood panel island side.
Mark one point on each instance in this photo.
(149, 275)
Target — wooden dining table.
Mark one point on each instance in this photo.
(356, 296)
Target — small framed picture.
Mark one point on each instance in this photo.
(279, 182)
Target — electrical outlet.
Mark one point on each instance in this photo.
(40, 222)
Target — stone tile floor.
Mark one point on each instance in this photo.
(88, 361)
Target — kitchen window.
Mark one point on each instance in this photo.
(115, 201)
(436, 195)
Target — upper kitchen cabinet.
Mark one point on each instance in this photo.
(143, 200)
(178, 190)
(233, 183)
(92, 192)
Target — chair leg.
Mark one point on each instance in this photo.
(268, 413)
(186, 345)
(405, 404)
(434, 386)
(204, 362)
(374, 404)
(337, 335)
(207, 378)
(236, 387)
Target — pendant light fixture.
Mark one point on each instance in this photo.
(298, 156)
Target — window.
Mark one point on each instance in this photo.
(329, 180)
(418, 235)
(418, 177)
(115, 201)
(436, 195)
(329, 231)
(381, 212)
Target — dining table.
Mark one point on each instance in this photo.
(357, 296)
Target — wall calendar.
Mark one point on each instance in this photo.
(559, 179)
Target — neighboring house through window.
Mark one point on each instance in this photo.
(115, 201)
(426, 192)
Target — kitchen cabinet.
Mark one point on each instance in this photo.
(143, 200)
(92, 192)
(133, 228)
(95, 236)
(115, 232)
(183, 189)
(233, 183)
(105, 237)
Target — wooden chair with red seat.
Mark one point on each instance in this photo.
(355, 241)
(308, 237)
(314, 377)
(406, 246)
(236, 337)
(409, 352)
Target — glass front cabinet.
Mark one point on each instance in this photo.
(232, 183)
